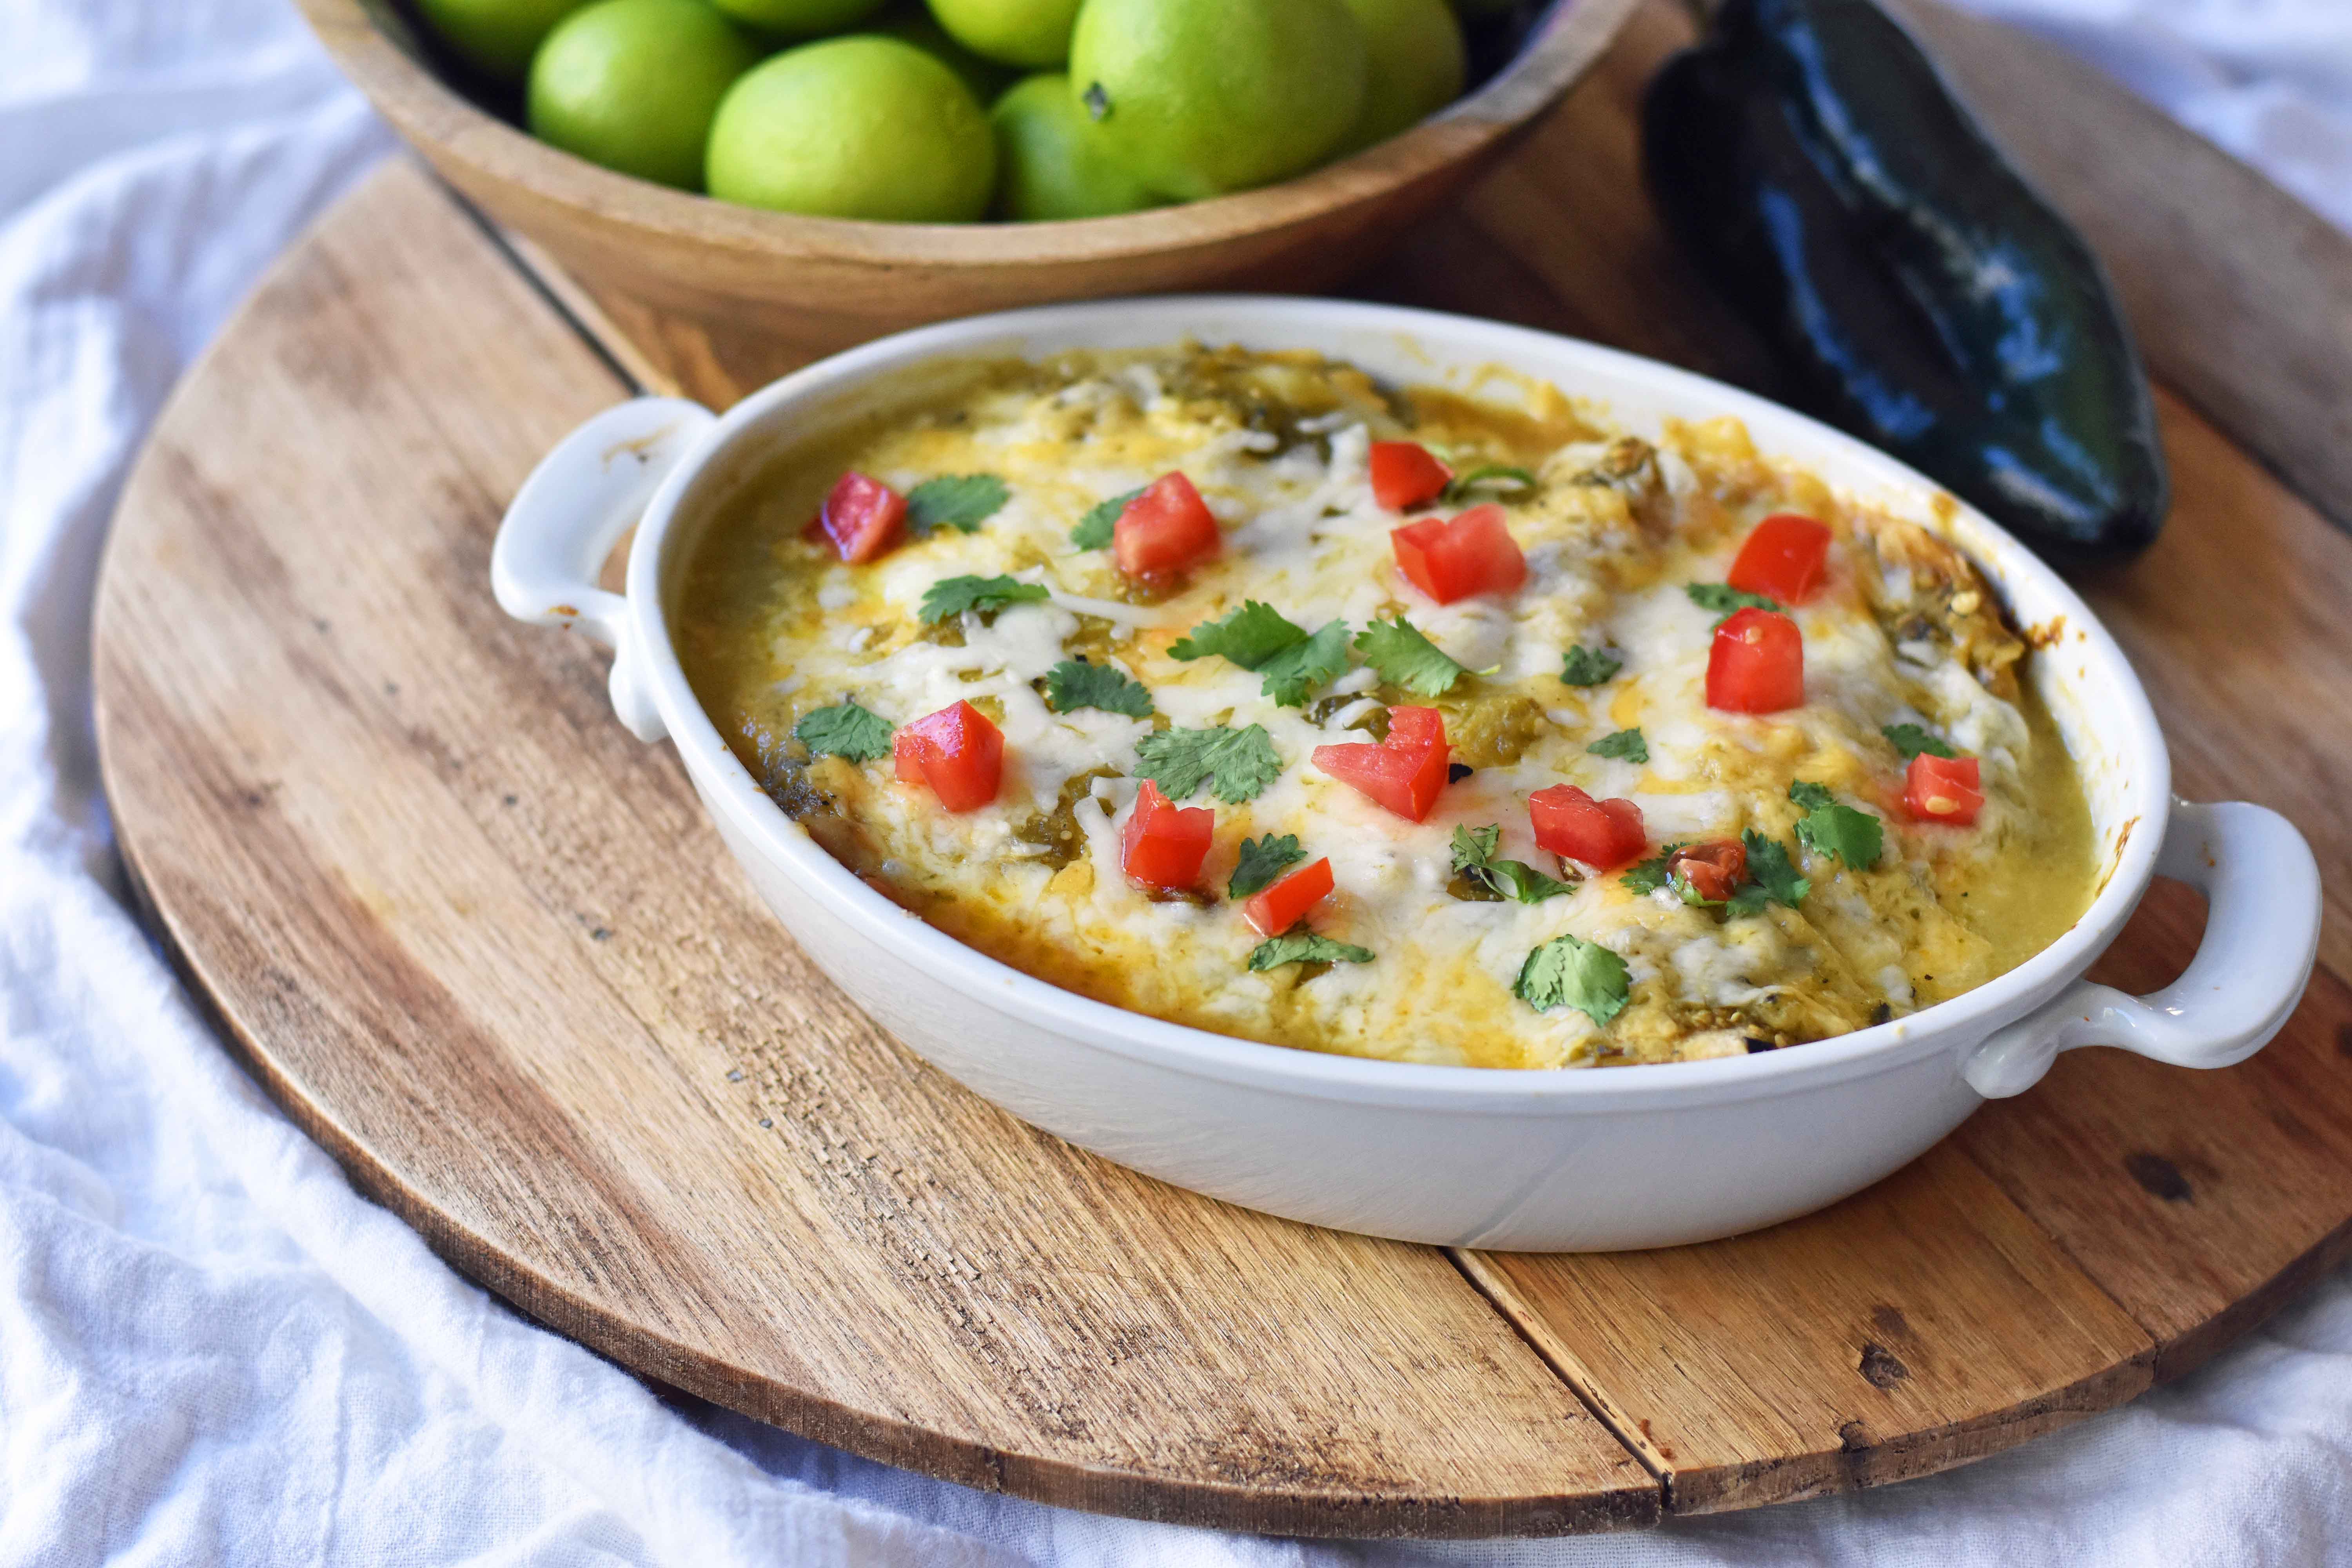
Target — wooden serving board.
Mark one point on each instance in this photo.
(484, 946)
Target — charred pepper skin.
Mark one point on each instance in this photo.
(1914, 290)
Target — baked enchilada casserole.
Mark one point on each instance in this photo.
(1236, 690)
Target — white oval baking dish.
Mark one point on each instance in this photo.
(1556, 1160)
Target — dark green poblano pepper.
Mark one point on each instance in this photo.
(1914, 288)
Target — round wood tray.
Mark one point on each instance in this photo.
(485, 947)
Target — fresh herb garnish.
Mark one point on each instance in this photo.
(1305, 947)
(1248, 636)
(1474, 856)
(1772, 873)
(1260, 638)
(1261, 860)
(1240, 763)
(1305, 664)
(1074, 684)
(1590, 666)
(1100, 525)
(951, 596)
(1830, 827)
(1913, 741)
(1407, 660)
(961, 501)
(1625, 745)
(1492, 476)
(1648, 876)
(1725, 600)
(1567, 972)
(844, 729)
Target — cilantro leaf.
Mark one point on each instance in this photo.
(1260, 638)
(1074, 684)
(1248, 636)
(1474, 847)
(1522, 883)
(959, 501)
(1263, 860)
(1590, 666)
(1625, 745)
(951, 596)
(1240, 763)
(1830, 827)
(1474, 856)
(1305, 947)
(1495, 474)
(1569, 972)
(1406, 659)
(1772, 873)
(1096, 529)
(1648, 876)
(844, 729)
(1305, 664)
(1912, 741)
(1725, 600)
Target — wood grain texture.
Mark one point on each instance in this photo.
(783, 285)
(487, 949)
(1924, 1323)
(490, 952)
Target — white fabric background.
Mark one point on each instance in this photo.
(211, 1351)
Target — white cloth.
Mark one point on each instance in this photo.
(211, 1351)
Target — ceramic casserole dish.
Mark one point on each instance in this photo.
(1560, 1160)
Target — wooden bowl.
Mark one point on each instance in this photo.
(808, 286)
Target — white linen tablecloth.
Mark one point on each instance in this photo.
(212, 1350)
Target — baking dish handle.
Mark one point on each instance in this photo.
(568, 516)
(2261, 936)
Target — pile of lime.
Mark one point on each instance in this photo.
(954, 110)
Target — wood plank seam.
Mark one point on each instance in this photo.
(1532, 1329)
(629, 367)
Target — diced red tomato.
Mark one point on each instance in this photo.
(862, 516)
(1756, 664)
(1603, 834)
(1474, 554)
(1403, 773)
(1782, 559)
(1280, 907)
(1165, 529)
(1944, 789)
(1713, 870)
(1405, 476)
(957, 751)
(1164, 842)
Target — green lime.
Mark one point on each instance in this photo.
(1201, 97)
(912, 22)
(496, 36)
(800, 18)
(859, 127)
(1416, 65)
(1031, 33)
(633, 84)
(1051, 161)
